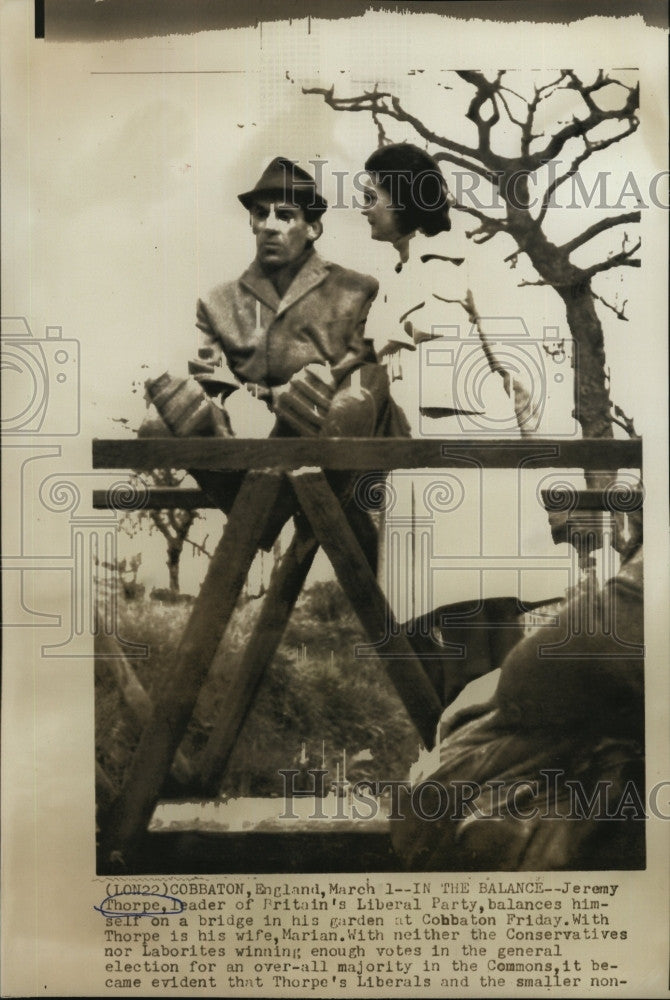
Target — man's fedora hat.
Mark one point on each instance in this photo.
(286, 179)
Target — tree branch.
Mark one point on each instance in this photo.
(625, 422)
(499, 225)
(570, 283)
(200, 547)
(487, 229)
(589, 149)
(485, 91)
(184, 524)
(527, 135)
(382, 138)
(600, 227)
(561, 179)
(513, 258)
(619, 313)
(541, 93)
(602, 80)
(491, 176)
(622, 259)
(155, 519)
(580, 126)
(376, 102)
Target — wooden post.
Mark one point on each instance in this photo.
(128, 818)
(241, 680)
(359, 584)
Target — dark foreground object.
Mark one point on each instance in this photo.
(260, 854)
(312, 853)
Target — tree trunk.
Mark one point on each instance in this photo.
(591, 392)
(591, 388)
(552, 263)
(592, 398)
(174, 555)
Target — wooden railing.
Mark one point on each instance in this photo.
(366, 453)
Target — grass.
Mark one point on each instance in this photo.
(316, 691)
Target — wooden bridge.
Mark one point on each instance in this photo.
(263, 471)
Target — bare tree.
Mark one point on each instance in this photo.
(600, 122)
(173, 524)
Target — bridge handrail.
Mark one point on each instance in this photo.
(383, 454)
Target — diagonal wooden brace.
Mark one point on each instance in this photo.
(241, 679)
(356, 578)
(127, 820)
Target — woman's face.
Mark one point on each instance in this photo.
(380, 212)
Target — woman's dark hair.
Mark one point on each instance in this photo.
(416, 185)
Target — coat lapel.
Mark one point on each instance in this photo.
(261, 287)
(311, 274)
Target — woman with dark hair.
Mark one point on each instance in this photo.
(406, 204)
(406, 182)
(451, 381)
(422, 338)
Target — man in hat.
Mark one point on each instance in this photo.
(292, 326)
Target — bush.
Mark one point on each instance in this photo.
(316, 691)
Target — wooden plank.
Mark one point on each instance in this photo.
(621, 499)
(127, 820)
(153, 498)
(241, 679)
(365, 453)
(361, 523)
(359, 584)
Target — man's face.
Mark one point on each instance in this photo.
(380, 213)
(282, 234)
